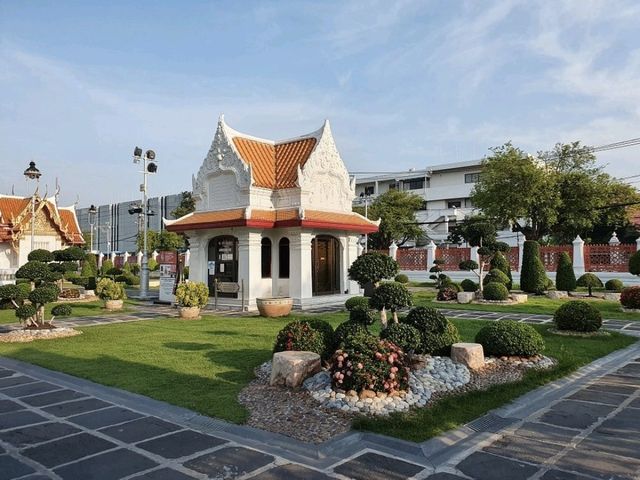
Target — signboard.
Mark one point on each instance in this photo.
(211, 266)
(168, 265)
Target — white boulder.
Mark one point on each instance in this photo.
(292, 368)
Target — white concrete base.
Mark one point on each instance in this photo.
(519, 297)
(612, 296)
(466, 297)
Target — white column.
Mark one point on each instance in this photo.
(100, 259)
(352, 251)
(249, 269)
(638, 243)
(154, 255)
(578, 256)
(520, 253)
(113, 257)
(360, 249)
(125, 259)
(187, 257)
(198, 268)
(431, 254)
(393, 250)
(300, 286)
(139, 258)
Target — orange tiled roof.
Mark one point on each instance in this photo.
(274, 166)
(273, 219)
(70, 224)
(11, 207)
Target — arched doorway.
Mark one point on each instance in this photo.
(222, 262)
(325, 260)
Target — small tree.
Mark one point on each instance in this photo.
(372, 267)
(589, 280)
(565, 277)
(634, 263)
(32, 315)
(390, 296)
(486, 254)
(37, 273)
(533, 278)
(436, 273)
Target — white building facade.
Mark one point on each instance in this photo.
(274, 217)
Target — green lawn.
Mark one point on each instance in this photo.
(536, 304)
(80, 309)
(203, 365)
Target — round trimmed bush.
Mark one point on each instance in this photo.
(40, 255)
(589, 280)
(356, 301)
(61, 310)
(507, 337)
(496, 276)
(404, 336)
(346, 330)
(25, 311)
(437, 334)
(392, 296)
(401, 278)
(614, 285)
(326, 331)
(469, 285)
(634, 264)
(372, 267)
(363, 315)
(447, 294)
(578, 316)
(299, 336)
(44, 294)
(630, 297)
(500, 262)
(495, 291)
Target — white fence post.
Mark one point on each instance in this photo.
(393, 250)
(125, 260)
(578, 256)
(139, 258)
(431, 254)
(638, 243)
(520, 253)
(100, 259)
(614, 240)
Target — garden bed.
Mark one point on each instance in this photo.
(31, 334)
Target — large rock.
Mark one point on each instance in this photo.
(466, 297)
(556, 294)
(612, 296)
(469, 354)
(519, 297)
(292, 368)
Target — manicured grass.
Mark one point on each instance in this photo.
(201, 365)
(536, 305)
(80, 309)
(422, 424)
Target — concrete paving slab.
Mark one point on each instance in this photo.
(180, 444)
(560, 475)
(525, 449)
(12, 468)
(229, 462)
(9, 406)
(291, 472)
(608, 388)
(574, 414)
(68, 409)
(68, 449)
(44, 432)
(635, 403)
(599, 465)
(616, 445)
(19, 419)
(631, 370)
(485, 466)
(546, 433)
(29, 389)
(15, 380)
(141, 429)
(6, 373)
(53, 397)
(373, 466)
(621, 380)
(107, 466)
(445, 476)
(598, 397)
(163, 474)
(104, 418)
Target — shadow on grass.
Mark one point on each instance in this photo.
(189, 346)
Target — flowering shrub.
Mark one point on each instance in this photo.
(447, 294)
(630, 297)
(70, 293)
(368, 363)
(299, 336)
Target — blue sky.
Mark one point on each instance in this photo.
(404, 83)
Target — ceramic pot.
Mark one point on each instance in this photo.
(112, 305)
(274, 306)
(189, 313)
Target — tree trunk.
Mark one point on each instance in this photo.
(383, 318)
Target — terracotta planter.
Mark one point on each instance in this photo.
(112, 305)
(189, 313)
(275, 306)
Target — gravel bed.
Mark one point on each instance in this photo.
(22, 336)
(315, 412)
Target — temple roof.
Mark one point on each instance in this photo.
(15, 218)
(241, 217)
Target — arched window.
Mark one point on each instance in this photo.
(283, 250)
(265, 246)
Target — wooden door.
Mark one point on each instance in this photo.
(325, 262)
(223, 252)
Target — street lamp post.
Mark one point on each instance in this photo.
(32, 173)
(148, 166)
(365, 197)
(92, 218)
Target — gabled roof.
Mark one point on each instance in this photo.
(240, 217)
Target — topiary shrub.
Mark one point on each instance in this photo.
(192, 294)
(401, 278)
(89, 266)
(437, 334)
(62, 310)
(630, 297)
(363, 315)
(496, 276)
(565, 277)
(25, 312)
(37, 272)
(40, 255)
(107, 289)
(447, 294)
(507, 337)
(326, 332)
(589, 280)
(356, 301)
(346, 330)
(495, 291)
(634, 263)
(46, 293)
(391, 296)
(469, 285)
(372, 267)
(369, 363)
(614, 285)
(403, 335)
(107, 266)
(578, 316)
(533, 278)
(299, 336)
(500, 262)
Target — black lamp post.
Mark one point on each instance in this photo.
(32, 173)
(92, 219)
